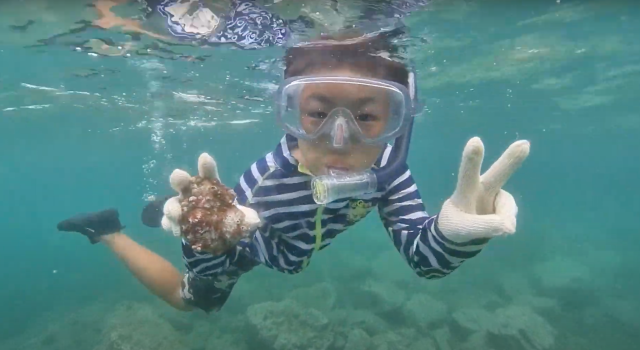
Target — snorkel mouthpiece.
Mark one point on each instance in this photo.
(328, 188)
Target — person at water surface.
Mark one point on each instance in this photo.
(346, 106)
(247, 24)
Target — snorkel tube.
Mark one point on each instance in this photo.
(328, 188)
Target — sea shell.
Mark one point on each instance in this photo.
(210, 220)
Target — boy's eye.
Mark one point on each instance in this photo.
(364, 117)
(317, 115)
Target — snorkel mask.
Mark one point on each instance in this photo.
(377, 112)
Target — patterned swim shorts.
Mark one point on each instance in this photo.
(247, 25)
(210, 293)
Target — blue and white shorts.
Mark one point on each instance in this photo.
(247, 25)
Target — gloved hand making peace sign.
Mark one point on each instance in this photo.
(479, 208)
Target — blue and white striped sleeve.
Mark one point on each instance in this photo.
(265, 190)
(206, 264)
(415, 234)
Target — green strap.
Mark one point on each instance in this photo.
(318, 228)
(318, 234)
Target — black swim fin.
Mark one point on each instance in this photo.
(93, 225)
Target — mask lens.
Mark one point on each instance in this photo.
(371, 110)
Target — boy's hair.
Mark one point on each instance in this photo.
(364, 55)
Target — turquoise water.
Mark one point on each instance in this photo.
(82, 132)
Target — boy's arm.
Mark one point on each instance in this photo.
(416, 235)
(215, 259)
(258, 247)
(478, 210)
(252, 192)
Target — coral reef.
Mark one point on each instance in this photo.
(227, 342)
(422, 310)
(390, 266)
(287, 325)
(443, 338)
(73, 329)
(474, 298)
(380, 297)
(321, 297)
(358, 340)
(520, 322)
(348, 319)
(515, 285)
(391, 340)
(136, 326)
(562, 272)
(408, 338)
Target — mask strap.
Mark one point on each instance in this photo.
(412, 86)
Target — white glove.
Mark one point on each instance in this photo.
(203, 208)
(479, 208)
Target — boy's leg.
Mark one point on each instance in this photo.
(183, 292)
(154, 272)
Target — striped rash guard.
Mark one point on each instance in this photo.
(294, 227)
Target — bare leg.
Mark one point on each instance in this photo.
(154, 272)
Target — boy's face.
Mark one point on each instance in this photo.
(370, 109)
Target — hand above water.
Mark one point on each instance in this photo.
(205, 213)
(479, 208)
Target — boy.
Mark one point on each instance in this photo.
(341, 104)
